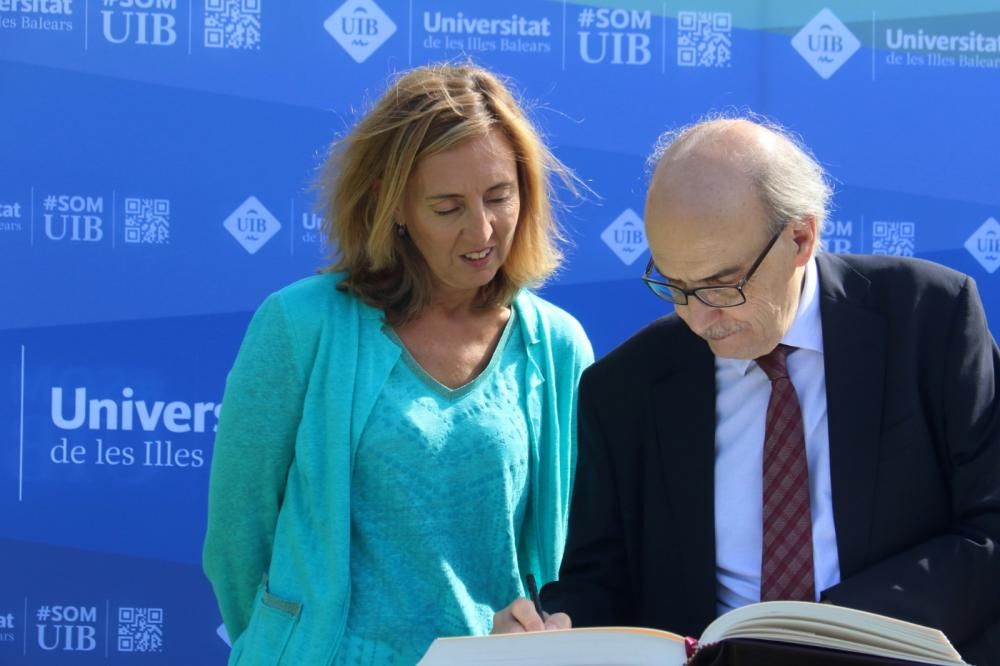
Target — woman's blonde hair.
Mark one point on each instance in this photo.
(425, 111)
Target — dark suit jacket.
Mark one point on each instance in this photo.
(914, 422)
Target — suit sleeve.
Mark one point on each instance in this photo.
(951, 580)
(253, 451)
(593, 581)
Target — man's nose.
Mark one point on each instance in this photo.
(700, 316)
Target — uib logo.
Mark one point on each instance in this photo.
(252, 225)
(984, 245)
(825, 43)
(619, 36)
(66, 628)
(626, 237)
(73, 218)
(360, 27)
(134, 22)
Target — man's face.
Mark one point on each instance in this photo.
(706, 225)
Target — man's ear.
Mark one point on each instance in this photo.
(805, 233)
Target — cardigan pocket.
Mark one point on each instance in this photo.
(271, 625)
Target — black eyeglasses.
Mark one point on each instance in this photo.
(721, 296)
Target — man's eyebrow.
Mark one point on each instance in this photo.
(729, 270)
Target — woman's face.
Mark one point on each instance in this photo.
(461, 208)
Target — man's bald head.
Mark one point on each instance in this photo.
(789, 182)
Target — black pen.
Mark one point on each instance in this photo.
(533, 593)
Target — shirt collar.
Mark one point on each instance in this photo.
(806, 331)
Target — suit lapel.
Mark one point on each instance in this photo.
(854, 345)
(683, 405)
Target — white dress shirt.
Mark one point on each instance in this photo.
(742, 393)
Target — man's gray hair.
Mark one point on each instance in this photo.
(789, 179)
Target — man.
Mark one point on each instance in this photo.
(883, 451)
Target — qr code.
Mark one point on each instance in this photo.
(704, 39)
(232, 24)
(140, 629)
(147, 221)
(893, 238)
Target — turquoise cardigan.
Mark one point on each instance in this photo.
(311, 366)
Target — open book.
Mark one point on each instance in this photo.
(795, 622)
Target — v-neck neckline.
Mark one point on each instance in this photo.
(442, 389)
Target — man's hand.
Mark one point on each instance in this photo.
(520, 616)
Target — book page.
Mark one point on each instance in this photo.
(825, 625)
(613, 646)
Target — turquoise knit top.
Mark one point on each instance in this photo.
(437, 503)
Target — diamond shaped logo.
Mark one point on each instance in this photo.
(252, 225)
(361, 27)
(984, 245)
(626, 237)
(825, 43)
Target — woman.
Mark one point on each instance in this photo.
(397, 444)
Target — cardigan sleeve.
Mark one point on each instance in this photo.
(254, 446)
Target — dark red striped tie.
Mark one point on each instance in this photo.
(786, 570)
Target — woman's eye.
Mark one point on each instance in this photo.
(447, 211)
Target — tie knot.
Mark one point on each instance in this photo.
(774, 364)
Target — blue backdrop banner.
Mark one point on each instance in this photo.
(156, 163)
